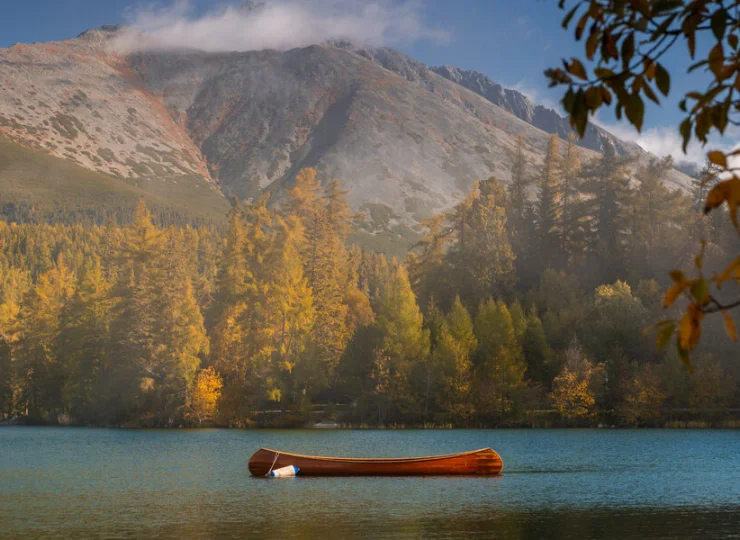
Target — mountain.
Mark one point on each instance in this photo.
(406, 141)
(544, 118)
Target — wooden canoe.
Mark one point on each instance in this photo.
(483, 461)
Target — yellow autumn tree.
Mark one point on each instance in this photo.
(206, 394)
(572, 395)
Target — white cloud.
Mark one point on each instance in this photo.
(275, 24)
(666, 141)
(536, 96)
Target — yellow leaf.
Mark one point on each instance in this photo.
(718, 158)
(650, 70)
(730, 327)
(677, 276)
(685, 329)
(673, 292)
(726, 191)
(689, 329)
(576, 68)
(728, 272)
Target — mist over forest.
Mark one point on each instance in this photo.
(527, 304)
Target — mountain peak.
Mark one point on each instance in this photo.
(105, 31)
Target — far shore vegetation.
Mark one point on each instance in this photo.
(526, 305)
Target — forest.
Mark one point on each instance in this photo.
(528, 304)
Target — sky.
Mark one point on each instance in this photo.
(510, 41)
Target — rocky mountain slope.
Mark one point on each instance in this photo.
(542, 117)
(406, 141)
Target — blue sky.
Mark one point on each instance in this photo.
(511, 41)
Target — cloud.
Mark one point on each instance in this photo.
(666, 141)
(275, 24)
(536, 96)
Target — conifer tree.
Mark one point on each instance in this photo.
(656, 212)
(518, 191)
(548, 206)
(14, 284)
(291, 310)
(41, 355)
(537, 353)
(233, 278)
(427, 270)
(86, 340)
(484, 263)
(305, 203)
(573, 224)
(405, 341)
(607, 187)
(455, 346)
(521, 218)
(500, 366)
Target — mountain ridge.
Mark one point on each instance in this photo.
(405, 140)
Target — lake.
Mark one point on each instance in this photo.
(183, 484)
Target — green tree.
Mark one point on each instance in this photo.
(607, 186)
(500, 365)
(537, 352)
(453, 352)
(574, 224)
(405, 341)
(548, 207)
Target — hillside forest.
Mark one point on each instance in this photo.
(527, 304)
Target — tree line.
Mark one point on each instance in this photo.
(525, 304)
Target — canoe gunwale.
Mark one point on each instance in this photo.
(381, 460)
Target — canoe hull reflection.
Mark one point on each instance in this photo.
(478, 462)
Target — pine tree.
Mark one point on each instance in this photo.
(521, 218)
(607, 186)
(291, 309)
(518, 190)
(233, 279)
(500, 366)
(707, 227)
(573, 224)
(86, 339)
(14, 285)
(305, 203)
(41, 355)
(405, 340)
(453, 354)
(537, 353)
(548, 206)
(656, 213)
(483, 264)
(426, 263)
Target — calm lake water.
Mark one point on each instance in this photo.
(96, 483)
